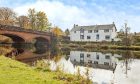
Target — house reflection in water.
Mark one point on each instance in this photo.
(100, 60)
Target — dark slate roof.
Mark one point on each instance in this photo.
(94, 27)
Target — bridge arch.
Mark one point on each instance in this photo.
(15, 38)
(41, 44)
(41, 40)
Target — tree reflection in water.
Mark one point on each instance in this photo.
(127, 58)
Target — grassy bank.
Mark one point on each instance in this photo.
(14, 72)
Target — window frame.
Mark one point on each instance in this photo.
(97, 36)
(106, 37)
(106, 63)
(81, 36)
(96, 31)
(96, 62)
(88, 37)
(106, 30)
(89, 31)
(97, 57)
(81, 30)
(107, 57)
(88, 55)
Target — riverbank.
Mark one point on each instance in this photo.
(5, 50)
(97, 46)
(14, 72)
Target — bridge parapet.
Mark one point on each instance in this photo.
(19, 29)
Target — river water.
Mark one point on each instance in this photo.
(103, 66)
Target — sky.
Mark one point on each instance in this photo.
(66, 13)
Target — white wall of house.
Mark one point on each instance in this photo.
(75, 56)
(75, 35)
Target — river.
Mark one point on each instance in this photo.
(103, 66)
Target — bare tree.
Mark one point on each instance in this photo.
(7, 16)
(23, 21)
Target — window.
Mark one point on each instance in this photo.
(81, 58)
(81, 30)
(95, 62)
(88, 55)
(90, 61)
(74, 31)
(88, 37)
(97, 36)
(97, 56)
(106, 30)
(89, 31)
(95, 31)
(81, 36)
(81, 55)
(107, 37)
(107, 57)
(106, 63)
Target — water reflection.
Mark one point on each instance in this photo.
(94, 59)
(104, 68)
(28, 53)
(118, 67)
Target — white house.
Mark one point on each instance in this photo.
(107, 32)
(95, 59)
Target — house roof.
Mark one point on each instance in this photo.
(93, 27)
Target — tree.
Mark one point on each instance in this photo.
(23, 21)
(57, 31)
(67, 32)
(42, 21)
(127, 38)
(32, 18)
(7, 16)
(49, 27)
(38, 20)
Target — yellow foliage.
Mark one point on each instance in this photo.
(57, 31)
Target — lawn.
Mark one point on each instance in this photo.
(14, 72)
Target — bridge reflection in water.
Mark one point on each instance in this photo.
(29, 53)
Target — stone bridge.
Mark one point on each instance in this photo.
(21, 35)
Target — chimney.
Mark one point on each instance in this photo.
(113, 22)
(75, 25)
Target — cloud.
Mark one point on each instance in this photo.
(65, 15)
(58, 13)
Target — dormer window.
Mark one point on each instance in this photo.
(89, 31)
(81, 30)
(106, 30)
(95, 31)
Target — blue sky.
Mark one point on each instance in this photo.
(65, 13)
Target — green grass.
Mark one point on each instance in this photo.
(14, 72)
